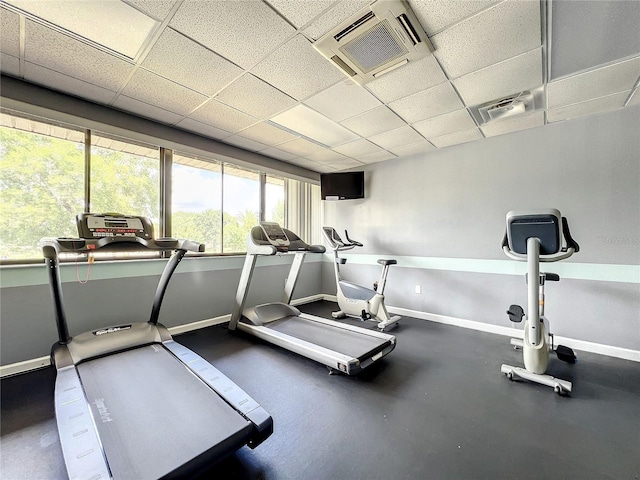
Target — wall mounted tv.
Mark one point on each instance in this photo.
(342, 185)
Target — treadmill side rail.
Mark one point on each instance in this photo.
(226, 389)
(81, 448)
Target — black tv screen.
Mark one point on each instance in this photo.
(342, 185)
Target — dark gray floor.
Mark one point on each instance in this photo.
(436, 407)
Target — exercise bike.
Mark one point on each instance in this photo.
(535, 238)
(355, 300)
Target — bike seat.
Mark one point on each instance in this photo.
(382, 261)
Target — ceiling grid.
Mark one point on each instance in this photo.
(229, 69)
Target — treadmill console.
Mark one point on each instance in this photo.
(96, 226)
(275, 234)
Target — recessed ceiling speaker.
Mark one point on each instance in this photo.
(375, 40)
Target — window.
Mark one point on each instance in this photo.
(50, 172)
(196, 201)
(125, 178)
(241, 204)
(41, 184)
(274, 200)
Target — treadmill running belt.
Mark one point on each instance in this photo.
(154, 415)
(347, 342)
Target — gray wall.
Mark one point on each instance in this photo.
(200, 289)
(451, 204)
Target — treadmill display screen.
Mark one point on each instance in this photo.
(274, 233)
(98, 226)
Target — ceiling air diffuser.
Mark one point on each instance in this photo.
(377, 39)
(511, 106)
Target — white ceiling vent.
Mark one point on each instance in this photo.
(377, 39)
(513, 105)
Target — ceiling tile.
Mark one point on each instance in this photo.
(245, 143)
(377, 157)
(504, 31)
(53, 50)
(278, 154)
(394, 138)
(300, 147)
(203, 129)
(408, 79)
(327, 157)
(155, 90)
(221, 116)
(297, 69)
(9, 32)
(587, 34)
(145, 110)
(300, 12)
(344, 164)
(156, 8)
(375, 121)
(242, 31)
(306, 163)
(267, 134)
(358, 148)
(602, 104)
(512, 76)
(325, 169)
(445, 124)
(492, 129)
(9, 65)
(428, 103)
(255, 97)
(333, 17)
(593, 84)
(64, 83)
(412, 148)
(183, 61)
(435, 16)
(456, 138)
(343, 100)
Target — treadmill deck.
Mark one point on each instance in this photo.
(346, 342)
(153, 415)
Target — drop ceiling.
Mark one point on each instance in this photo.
(245, 73)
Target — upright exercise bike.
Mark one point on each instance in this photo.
(355, 300)
(535, 238)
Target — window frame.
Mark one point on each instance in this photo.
(165, 161)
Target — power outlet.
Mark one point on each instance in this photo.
(418, 289)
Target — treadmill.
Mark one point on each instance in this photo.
(341, 347)
(130, 402)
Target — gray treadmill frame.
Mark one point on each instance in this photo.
(82, 448)
(331, 358)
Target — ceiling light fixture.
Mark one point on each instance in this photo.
(115, 26)
(305, 122)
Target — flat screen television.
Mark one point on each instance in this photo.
(342, 185)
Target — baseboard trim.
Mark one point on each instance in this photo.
(22, 367)
(617, 352)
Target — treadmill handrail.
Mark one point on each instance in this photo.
(51, 247)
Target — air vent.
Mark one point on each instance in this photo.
(379, 38)
(510, 106)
